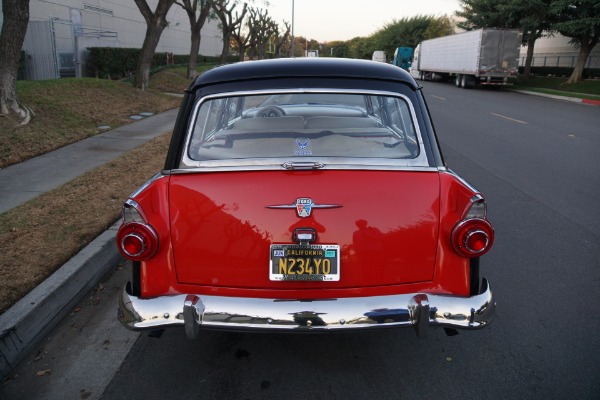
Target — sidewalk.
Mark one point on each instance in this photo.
(22, 182)
(25, 324)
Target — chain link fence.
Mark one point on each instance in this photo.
(65, 47)
(56, 48)
(563, 60)
(40, 51)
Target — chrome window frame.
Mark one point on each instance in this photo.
(420, 162)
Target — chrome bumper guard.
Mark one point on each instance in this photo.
(419, 310)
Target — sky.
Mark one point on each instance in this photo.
(329, 20)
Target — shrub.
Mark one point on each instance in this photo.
(118, 63)
(561, 71)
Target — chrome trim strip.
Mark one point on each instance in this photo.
(476, 199)
(460, 179)
(156, 177)
(133, 204)
(293, 206)
(130, 203)
(277, 167)
(403, 310)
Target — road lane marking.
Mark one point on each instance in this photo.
(438, 97)
(510, 119)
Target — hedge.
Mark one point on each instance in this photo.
(118, 62)
(562, 71)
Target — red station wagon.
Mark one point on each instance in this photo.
(305, 195)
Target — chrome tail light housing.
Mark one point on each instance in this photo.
(473, 235)
(136, 239)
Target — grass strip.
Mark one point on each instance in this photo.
(39, 236)
(558, 93)
(586, 89)
(69, 110)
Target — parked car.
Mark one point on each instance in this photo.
(305, 194)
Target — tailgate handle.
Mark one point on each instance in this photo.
(302, 165)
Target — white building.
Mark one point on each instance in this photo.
(59, 31)
(556, 51)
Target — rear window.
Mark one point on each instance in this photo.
(303, 125)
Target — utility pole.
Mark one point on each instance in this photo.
(292, 28)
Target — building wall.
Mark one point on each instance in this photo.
(60, 31)
(124, 18)
(556, 51)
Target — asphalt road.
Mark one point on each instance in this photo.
(535, 159)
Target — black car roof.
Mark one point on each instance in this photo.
(305, 68)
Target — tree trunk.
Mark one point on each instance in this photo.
(142, 77)
(194, 49)
(529, 57)
(156, 22)
(12, 36)
(242, 50)
(226, 44)
(584, 52)
(195, 29)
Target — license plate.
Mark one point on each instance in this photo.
(314, 262)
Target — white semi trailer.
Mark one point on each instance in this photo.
(485, 56)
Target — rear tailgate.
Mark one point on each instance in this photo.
(222, 228)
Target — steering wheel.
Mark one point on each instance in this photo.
(270, 112)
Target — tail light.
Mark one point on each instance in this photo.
(473, 236)
(136, 239)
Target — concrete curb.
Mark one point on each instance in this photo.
(26, 323)
(558, 97)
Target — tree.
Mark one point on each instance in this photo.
(481, 14)
(242, 35)
(229, 23)
(580, 21)
(336, 48)
(281, 39)
(438, 27)
(12, 36)
(408, 32)
(533, 17)
(262, 29)
(156, 22)
(298, 46)
(197, 19)
(311, 44)
(361, 47)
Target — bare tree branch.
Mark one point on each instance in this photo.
(228, 22)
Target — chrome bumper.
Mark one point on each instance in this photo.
(419, 310)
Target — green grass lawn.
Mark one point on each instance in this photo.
(588, 89)
(71, 109)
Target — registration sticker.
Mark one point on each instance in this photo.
(295, 262)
